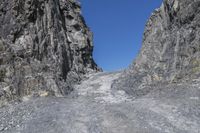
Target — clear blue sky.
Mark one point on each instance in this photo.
(118, 27)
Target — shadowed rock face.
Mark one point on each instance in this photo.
(171, 47)
(45, 47)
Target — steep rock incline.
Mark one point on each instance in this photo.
(171, 47)
(45, 47)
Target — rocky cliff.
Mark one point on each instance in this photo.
(170, 50)
(50, 51)
(45, 47)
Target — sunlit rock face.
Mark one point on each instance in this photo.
(45, 47)
(171, 47)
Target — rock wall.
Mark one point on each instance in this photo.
(171, 47)
(45, 47)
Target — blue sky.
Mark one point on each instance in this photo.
(118, 27)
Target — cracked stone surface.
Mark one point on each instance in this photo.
(45, 48)
(170, 50)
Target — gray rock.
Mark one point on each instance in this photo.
(170, 51)
(154, 99)
(45, 47)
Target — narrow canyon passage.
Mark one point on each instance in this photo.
(50, 81)
(94, 107)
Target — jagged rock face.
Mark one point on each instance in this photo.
(171, 46)
(45, 47)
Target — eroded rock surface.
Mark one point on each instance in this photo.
(171, 48)
(45, 47)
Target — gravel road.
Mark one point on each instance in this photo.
(96, 108)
